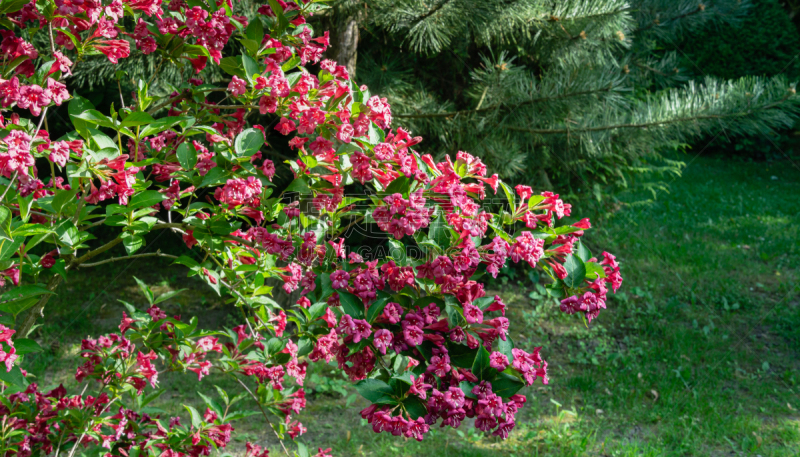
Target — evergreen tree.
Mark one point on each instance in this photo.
(582, 92)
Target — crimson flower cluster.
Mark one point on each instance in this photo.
(414, 330)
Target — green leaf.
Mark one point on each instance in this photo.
(291, 63)
(376, 308)
(67, 233)
(167, 295)
(300, 186)
(324, 286)
(594, 270)
(415, 407)
(8, 248)
(505, 347)
(506, 385)
(197, 419)
(461, 356)
(100, 141)
(302, 450)
(76, 106)
(212, 404)
(317, 310)
(187, 156)
(376, 391)
(397, 251)
(145, 290)
(63, 198)
(250, 67)
(16, 307)
(400, 185)
(438, 233)
(137, 118)
(583, 252)
(275, 345)
(576, 271)
(509, 195)
(351, 305)
(31, 229)
(236, 415)
(480, 367)
(5, 223)
(96, 117)
(255, 30)
(163, 124)
(13, 377)
(145, 199)
(24, 206)
(248, 142)
(12, 6)
(26, 346)
(213, 177)
(26, 291)
(232, 66)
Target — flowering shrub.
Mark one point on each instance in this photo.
(416, 333)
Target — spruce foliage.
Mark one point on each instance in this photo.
(583, 92)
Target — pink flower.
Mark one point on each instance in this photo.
(59, 153)
(115, 10)
(419, 387)
(413, 335)
(18, 158)
(498, 361)
(48, 260)
(285, 126)
(323, 148)
(339, 279)
(239, 191)
(113, 49)
(345, 133)
(362, 330)
(9, 91)
(237, 86)
(440, 366)
(382, 340)
(56, 91)
(208, 343)
(62, 63)
(524, 192)
(146, 368)
(583, 224)
(33, 98)
(267, 104)
(149, 7)
(473, 314)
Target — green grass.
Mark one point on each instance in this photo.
(698, 355)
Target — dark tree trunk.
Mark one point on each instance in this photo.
(346, 45)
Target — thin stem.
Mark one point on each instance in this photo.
(136, 256)
(155, 73)
(209, 105)
(359, 219)
(266, 418)
(121, 100)
(89, 255)
(41, 119)
(3, 197)
(71, 452)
